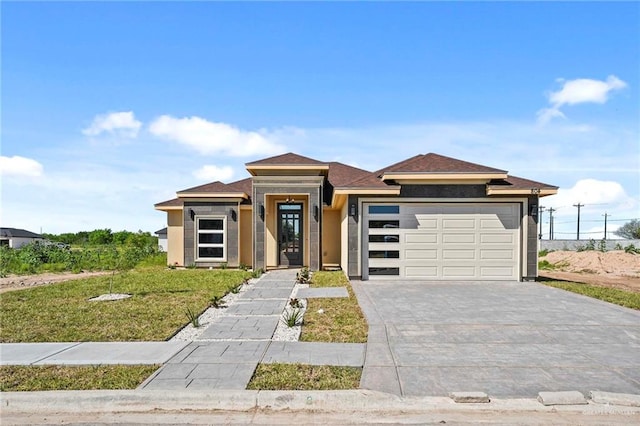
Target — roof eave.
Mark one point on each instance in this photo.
(452, 176)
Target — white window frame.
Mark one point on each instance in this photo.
(222, 231)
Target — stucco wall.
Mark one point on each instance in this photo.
(175, 238)
(331, 237)
(246, 237)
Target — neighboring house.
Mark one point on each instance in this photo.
(428, 217)
(16, 238)
(162, 239)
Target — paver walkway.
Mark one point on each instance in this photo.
(227, 353)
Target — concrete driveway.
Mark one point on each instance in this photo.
(506, 339)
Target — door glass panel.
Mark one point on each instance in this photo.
(384, 254)
(384, 271)
(387, 238)
(384, 224)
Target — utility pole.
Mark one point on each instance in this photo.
(540, 219)
(551, 210)
(578, 230)
(605, 224)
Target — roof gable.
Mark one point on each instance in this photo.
(435, 163)
(286, 159)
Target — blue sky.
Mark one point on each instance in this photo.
(108, 108)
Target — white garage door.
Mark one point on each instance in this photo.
(442, 241)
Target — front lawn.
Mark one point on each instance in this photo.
(341, 319)
(304, 377)
(59, 377)
(608, 294)
(156, 310)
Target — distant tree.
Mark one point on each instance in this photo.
(630, 230)
(100, 236)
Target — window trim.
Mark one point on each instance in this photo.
(222, 231)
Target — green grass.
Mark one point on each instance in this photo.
(304, 377)
(55, 377)
(342, 320)
(156, 310)
(611, 295)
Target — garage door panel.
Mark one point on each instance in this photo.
(427, 254)
(421, 238)
(421, 271)
(459, 238)
(497, 238)
(448, 254)
(458, 272)
(487, 254)
(458, 224)
(496, 272)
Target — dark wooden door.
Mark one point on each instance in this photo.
(290, 236)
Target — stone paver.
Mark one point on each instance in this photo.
(316, 353)
(241, 327)
(266, 293)
(320, 292)
(506, 339)
(257, 307)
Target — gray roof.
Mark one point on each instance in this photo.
(162, 231)
(18, 233)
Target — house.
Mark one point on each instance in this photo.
(428, 217)
(16, 238)
(162, 239)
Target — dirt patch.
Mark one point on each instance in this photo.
(20, 282)
(610, 269)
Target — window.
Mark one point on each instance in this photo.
(384, 254)
(388, 209)
(384, 271)
(387, 238)
(384, 224)
(211, 238)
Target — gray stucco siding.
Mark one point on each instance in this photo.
(232, 231)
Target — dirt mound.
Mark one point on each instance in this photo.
(616, 263)
(19, 282)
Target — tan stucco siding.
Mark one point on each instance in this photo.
(246, 237)
(331, 240)
(175, 238)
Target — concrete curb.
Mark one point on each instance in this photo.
(318, 401)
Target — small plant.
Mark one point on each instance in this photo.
(602, 246)
(292, 318)
(236, 288)
(224, 265)
(257, 273)
(243, 267)
(171, 266)
(217, 302)
(3, 273)
(618, 247)
(191, 266)
(632, 249)
(546, 265)
(591, 245)
(303, 276)
(193, 318)
(295, 303)
(544, 252)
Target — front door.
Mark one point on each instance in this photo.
(290, 234)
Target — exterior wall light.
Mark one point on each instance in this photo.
(316, 212)
(234, 215)
(192, 214)
(261, 211)
(352, 210)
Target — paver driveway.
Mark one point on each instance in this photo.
(505, 339)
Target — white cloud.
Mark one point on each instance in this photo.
(208, 137)
(581, 90)
(122, 124)
(214, 173)
(607, 195)
(20, 166)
